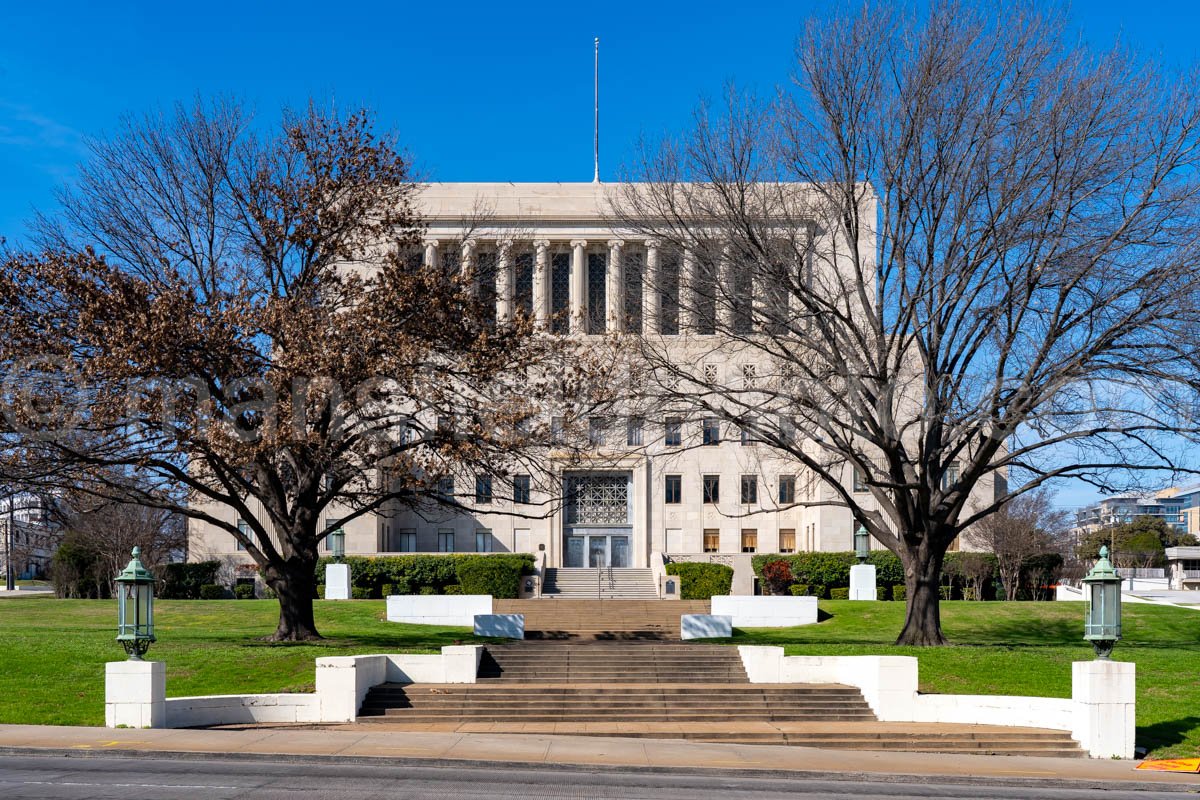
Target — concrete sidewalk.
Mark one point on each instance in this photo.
(597, 752)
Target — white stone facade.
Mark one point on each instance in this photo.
(556, 252)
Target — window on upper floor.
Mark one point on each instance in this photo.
(787, 540)
(673, 489)
(860, 481)
(749, 540)
(597, 431)
(787, 490)
(712, 540)
(483, 489)
(712, 488)
(633, 431)
(521, 489)
(710, 431)
(674, 432)
(749, 489)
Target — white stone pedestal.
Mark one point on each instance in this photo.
(862, 582)
(1104, 694)
(337, 581)
(135, 694)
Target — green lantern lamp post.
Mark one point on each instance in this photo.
(1102, 590)
(862, 544)
(135, 607)
(337, 544)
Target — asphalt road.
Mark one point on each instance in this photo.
(95, 778)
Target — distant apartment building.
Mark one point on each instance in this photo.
(27, 537)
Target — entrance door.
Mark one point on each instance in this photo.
(597, 551)
(575, 550)
(619, 546)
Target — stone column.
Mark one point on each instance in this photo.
(505, 281)
(468, 264)
(579, 300)
(687, 293)
(651, 294)
(1104, 697)
(725, 291)
(431, 253)
(615, 284)
(541, 284)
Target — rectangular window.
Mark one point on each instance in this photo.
(407, 541)
(787, 490)
(444, 423)
(711, 431)
(597, 431)
(483, 541)
(749, 489)
(446, 541)
(521, 489)
(445, 488)
(712, 540)
(557, 429)
(749, 540)
(950, 476)
(633, 431)
(673, 489)
(244, 529)
(860, 482)
(483, 489)
(712, 488)
(674, 432)
(787, 540)
(748, 438)
(787, 430)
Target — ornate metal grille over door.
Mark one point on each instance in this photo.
(597, 499)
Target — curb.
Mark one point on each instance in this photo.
(525, 766)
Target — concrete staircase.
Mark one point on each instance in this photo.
(611, 665)
(579, 620)
(599, 584)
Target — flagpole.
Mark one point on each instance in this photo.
(596, 119)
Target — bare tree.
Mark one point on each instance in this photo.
(226, 318)
(1027, 525)
(958, 255)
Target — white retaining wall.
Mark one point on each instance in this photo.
(438, 609)
(1099, 715)
(767, 611)
(135, 692)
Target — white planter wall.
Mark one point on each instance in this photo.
(766, 612)
(438, 609)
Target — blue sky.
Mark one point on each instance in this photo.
(478, 91)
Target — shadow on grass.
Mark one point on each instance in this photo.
(1167, 734)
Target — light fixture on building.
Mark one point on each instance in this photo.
(1102, 623)
(862, 544)
(135, 607)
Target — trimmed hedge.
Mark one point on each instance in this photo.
(839, 594)
(700, 581)
(183, 581)
(819, 570)
(244, 591)
(432, 574)
(211, 591)
(900, 593)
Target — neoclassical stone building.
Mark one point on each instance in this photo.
(688, 487)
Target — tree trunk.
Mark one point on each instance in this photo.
(922, 583)
(294, 585)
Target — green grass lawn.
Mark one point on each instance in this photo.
(53, 651)
(1026, 649)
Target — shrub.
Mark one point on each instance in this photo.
(970, 593)
(818, 590)
(412, 573)
(455, 588)
(427, 590)
(268, 593)
(799, 589)
(244, 591)
(888, 569)
(320, 591)
(360, 593)
(839, 594)
(777, 576)
(899, 593)
(183, 581)
(701, 581)
(389, 589)
(211, 591)
(501, 578)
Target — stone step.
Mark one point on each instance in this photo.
(415, 716)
